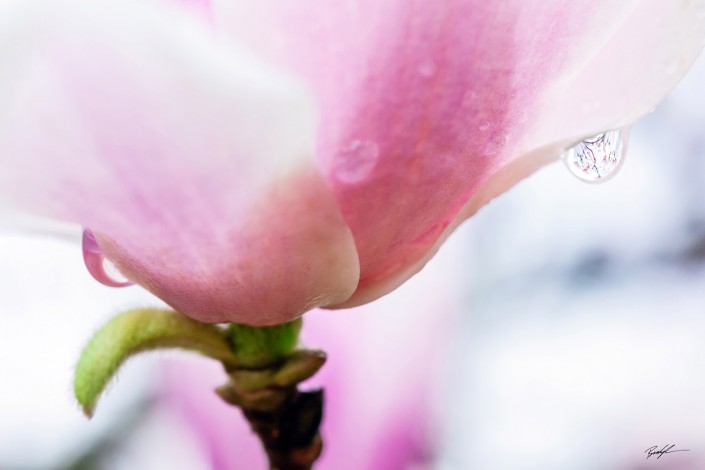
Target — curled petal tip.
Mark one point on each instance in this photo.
(96, 263)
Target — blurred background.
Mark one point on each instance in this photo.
(560, 328)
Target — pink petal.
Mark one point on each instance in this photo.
(95, 262)
(384, 365)
(430, 109)
(190, 160)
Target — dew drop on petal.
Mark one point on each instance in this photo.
(598, 158)
(102, 269)
(356, 161)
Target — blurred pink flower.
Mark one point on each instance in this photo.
(381, 382)
(183, 135)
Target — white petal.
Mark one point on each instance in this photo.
(191, 159)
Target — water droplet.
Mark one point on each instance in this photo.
(356, 161)
(427, 68)
(596, 159)
(484, 126)
(102, 269)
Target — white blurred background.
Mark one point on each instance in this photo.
(582, 343)
(579, 342)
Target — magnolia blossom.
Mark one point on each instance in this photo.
(249, 160)
(381, 381)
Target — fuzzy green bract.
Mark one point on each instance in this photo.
(136, 331)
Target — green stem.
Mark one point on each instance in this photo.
(265, 388)
(258, 347)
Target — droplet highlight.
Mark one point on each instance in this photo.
(356, 161)
(102, 269)
(598, 158)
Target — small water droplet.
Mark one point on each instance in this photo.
(356, 161)
(484, 126)
(597, 159)
(102, 269)
(427, 68)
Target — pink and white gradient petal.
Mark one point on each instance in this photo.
(191, 160)
(431, 109)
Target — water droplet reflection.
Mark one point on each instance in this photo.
(102, 269)
(598, 158)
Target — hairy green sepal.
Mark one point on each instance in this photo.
(142, 330)
(264, 367)
(262, 346)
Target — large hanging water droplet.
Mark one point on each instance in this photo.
(102, 269)
(598, 158)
